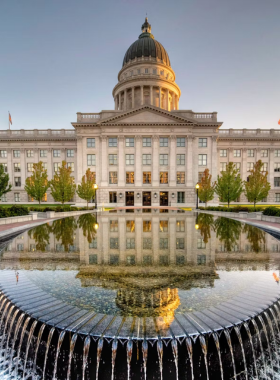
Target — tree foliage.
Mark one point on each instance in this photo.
(5, 187)
(64, 230)
(86, 189)
(41, 235)
(37, 184)
(206, 189)
(229, 184)
(255, 237)
(63, 185)
(228, 232)
(257, 187)
(205, 223)
(87, 223)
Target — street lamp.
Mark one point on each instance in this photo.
(95, 188)
(96, 224)
(197, 187)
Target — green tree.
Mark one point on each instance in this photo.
(206, 189)
(228, 232)
(257, 186)
(86, 189)
(37, 184)
(229, 185)
(63, 185)
(5, 187)
(255, 237)
(205, 222)
(41, 235)
(63, 230)
(87, 223)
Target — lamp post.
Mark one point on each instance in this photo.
(197, 187)
(96, 225)
(95, 188)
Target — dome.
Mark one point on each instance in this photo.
(146, 46)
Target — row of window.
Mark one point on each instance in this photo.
(113, 197)
(129, 159)
(250, 153)
(147, 177)
(147, 142)
(57, 165)
(250, 166)
(147, 226)
(43, 153)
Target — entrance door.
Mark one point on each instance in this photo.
(163, 198)
(129, 198)
(147, 198)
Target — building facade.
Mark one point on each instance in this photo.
(146, 151)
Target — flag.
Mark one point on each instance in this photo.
(10, 118)
(279, 121)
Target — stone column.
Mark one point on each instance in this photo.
(142, 95)
(132, 97)
(125, 100)
(172, 239)
(244, 173)
(177, 102)
(116, 103)
(23, 167)
(138, 238)
(121, 173)
(172, 162)
(155, 163)
(271, 168)
(173, 101)
(120, 100)
(190, 169)
(155, 238)
(105, 240)
(167, 100)
(159, 97)
(104, 163)
(122, 240)
(214, 160)
(138, 162)
(151, 95)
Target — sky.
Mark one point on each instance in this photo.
(59, 57)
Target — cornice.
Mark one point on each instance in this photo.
(245, 138)
(38, 138)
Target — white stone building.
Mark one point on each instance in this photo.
(146, 151)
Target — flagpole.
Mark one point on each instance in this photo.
(9, 120)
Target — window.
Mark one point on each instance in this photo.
(275, 248)
(163, 141)
(223, 166)
(265, 166)
(17, 197)
(181, 142)
(202, 143)
(277, 197)
(200, 244)
(113, 142)
(237, 165)
(147, 226)
(43, 153)
(147, 243)
(147, 177)
(163, 177)
(250, 166)
(30, 167)
(56, 153)
(147, 260)
(180, 178)
(130, 226)
(163, 226)
(129, 142)
(180, 159)
(93, 243)
(70, 152)
(201, 259)
(91, 143)
(113, 178)
(163, 243)
(223, 153)
(130, 177)
(17, 167)
(180, 243)
(236, 153)
(264, 200)
(138, 71)
(161, 72)
(277, 153)
(146, 159)
(16, 153)
(114, 226)
(147, 142)
(276, 181)
(114, 243)
(91, 159)
(114, 260)
(3, 153)
(56, 167)
(29, 153)
(129, 159)
(250, 153)
(130, 243)
(4, 198)
(112, 197)
(20, 247)
(277, 167)
(180, 226)
(163, 260)
(163, 159)
(113, 159)
(202, 159)
(131, 73)
(200, 175)
(17, 181)
(146, 71)
(92, 259)
(181, 197)
(264, 153)
(180, 260)
(70, 165)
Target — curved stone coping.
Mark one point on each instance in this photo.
(56, 313)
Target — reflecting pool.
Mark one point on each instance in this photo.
(148, 275)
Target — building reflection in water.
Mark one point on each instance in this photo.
(145, 256)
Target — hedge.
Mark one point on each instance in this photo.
(272, 211)
(233, 209)
(6, 212)
(58, 208)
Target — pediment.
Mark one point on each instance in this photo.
(146, 115)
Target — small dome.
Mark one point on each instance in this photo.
(146, 46)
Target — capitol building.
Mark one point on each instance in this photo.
(146, 151)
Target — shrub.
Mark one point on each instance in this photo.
(13, 211)
(272, 211)
(232, 209)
